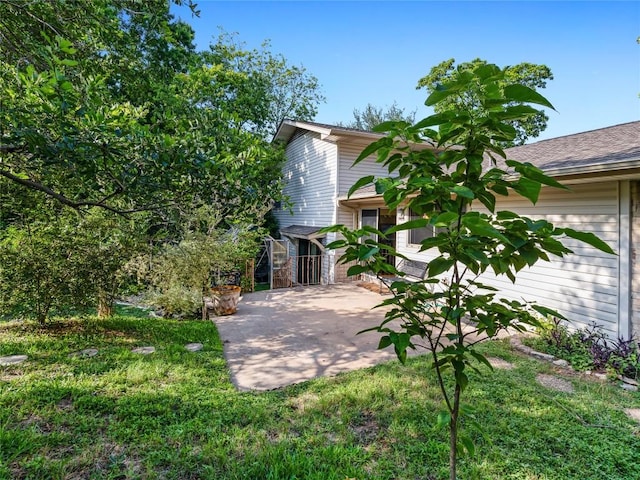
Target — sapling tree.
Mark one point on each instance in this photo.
(452, 187)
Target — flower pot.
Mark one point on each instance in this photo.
(225, 299)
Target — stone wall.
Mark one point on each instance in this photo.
(635, 258)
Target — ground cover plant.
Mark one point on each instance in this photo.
(588, 348)
(175, 415)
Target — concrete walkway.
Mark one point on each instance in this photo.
(281, 337)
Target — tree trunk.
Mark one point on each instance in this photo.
(453, 434)
(105, 305)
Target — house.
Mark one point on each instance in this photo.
(600, 167)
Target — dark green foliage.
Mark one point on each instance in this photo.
(372, 116)
(588, 348)
(524, 77)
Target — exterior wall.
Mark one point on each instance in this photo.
(582, 286)
(349, 175)
(635, 258)
(310, 176)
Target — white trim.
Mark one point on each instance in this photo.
(624, 259)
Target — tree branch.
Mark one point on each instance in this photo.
(25, 182)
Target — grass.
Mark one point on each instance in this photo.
(175, 415)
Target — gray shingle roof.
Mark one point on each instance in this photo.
(596, 148)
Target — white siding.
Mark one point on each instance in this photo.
(583, 286)
(635, 258)
(310, 176)
(349, 175)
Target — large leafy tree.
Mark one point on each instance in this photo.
(371, 116)
(470, 99)
(277, 90)
(454, 186)
(106, 104)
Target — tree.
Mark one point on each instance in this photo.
(372, 116)
(108, 105)
(277, 90)
(52, 258)
(125, 115)
(528, 74)
(449, 186)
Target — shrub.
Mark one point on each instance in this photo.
(588, 348)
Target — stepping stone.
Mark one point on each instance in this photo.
(633, 413)
(12, 360)
(555, 383)
(86, 353)
(193, 347)
(144, 350)
(500, 363)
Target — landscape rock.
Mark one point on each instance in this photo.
(500, 363)
(12, 360)
(633, 413)
(628, 380)
(629, 388)
(144, 350)
(86, 353)
(193, 347)
(561, 363)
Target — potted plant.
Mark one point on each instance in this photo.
(225, 292)
(204, 262)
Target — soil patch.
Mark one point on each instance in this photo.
(555, 383)
(500, 363)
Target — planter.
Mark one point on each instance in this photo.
(225, 299)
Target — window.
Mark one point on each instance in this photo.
(417, 235)
(370, 218)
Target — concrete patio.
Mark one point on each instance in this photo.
(282, 337)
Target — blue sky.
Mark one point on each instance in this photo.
(375, 51)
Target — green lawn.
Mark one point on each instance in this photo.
(175, 415)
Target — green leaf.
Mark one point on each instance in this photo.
(534, 173)
(468, 445)
(588, 238)
(461, 379)
(522, 93)
(547, 312)
(384, 184)
(437, 119)
(439, 265)
(384, 342)
(372, 148)
(360, 183)
(357, 270)
(463, 191)
(410, 225)
(385, 126)
(481, 358)
(528, 189)
(444, 419)
(438, 95)
(483, 228)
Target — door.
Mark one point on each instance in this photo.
(309, 263)
(381, 219)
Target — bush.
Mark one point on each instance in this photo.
(190, 266)
(176, 301)
(589, 348)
